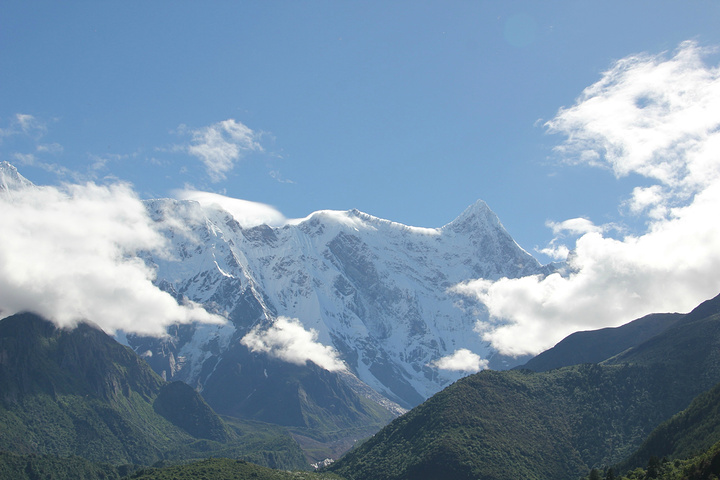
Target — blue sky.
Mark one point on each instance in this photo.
(591, 127)
(409, 111)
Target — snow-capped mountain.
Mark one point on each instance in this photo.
(376, 291)
(335, 288)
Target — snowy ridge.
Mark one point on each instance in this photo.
(375, 290)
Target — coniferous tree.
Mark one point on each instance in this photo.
(653, 468)
(610, 474)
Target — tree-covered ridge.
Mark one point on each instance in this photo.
(49, 467)
(704, 466)
(693, 430)
(518, 424)
(554, 424)
(80, 393)
(595, 346)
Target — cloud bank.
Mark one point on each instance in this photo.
(656, 117)
(287, 340)
(248, 214)
(220, 145)
(463, 360)
(70, 254)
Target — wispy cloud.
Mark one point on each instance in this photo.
(70, 254)
(23, 136)
(658, 117)
(462, 360)
(32, 160)
(278, 177)
(287, 340)
(220, 145)
(26, 125)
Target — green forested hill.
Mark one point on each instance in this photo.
(78, 392)
(47, 467)
(693, 430)
(518, 424)
(555, 424)
(703, 466)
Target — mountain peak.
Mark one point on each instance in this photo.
(10, 178)
(476, 216)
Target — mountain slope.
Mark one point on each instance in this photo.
(693, 344)
(260, 388)
(517, 424)
(701, 466)
(594, 346)
(226, 469)
(325, 415)
(553, 424)
(79, 392)
(32, 467)
(695, 429)
(691, 347)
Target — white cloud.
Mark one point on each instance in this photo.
(648, 199)
(70, 254)
(574, 226)
(246, 213)
(287, 340)
(220, 145)
(463, 360)
(653, 116)
(657, 117)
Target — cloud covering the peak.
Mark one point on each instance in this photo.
(656, 117)
(247, 213)
(71, 254)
